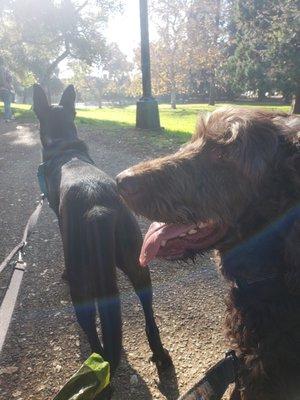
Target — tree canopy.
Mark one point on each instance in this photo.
(36, 35)
(266, 41)
(112, 80)
(202, 49)
(226, 46)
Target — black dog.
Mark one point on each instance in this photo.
(98, 232)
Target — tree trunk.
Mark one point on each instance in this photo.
(173, 99)
(261, 95)
(212, 101)
(296, 104)
(25, 96)
(212, 86)
(287, 97)
(48, 92)
(100, 96)
(55, 63)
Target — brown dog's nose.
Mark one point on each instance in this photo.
(127, 183)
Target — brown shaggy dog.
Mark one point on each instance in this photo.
(235, 187)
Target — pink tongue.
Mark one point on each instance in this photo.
(157, 232)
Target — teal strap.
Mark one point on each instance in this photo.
(42, 179)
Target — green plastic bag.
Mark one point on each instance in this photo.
(92, 377)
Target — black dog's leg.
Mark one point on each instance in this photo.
(141, 281)
(129, 241)
(86, 317)
(76, 264)
(100, 228)
(110, 317)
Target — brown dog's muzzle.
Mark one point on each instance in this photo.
(127, 183)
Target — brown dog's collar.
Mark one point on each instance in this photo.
(272, 281)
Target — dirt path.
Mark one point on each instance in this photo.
(45, 347)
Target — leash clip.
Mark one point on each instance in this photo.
(20, 263)
(235, 361)
(232, 354)
(20, 257)
(237, 367)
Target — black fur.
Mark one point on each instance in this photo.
(98, 231)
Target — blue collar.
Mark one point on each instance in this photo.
(262, 249)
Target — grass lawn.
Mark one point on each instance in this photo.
(179, 122)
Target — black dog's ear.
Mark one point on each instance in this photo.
(68, 98)
(40, 102)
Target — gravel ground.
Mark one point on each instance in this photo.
(44, 346)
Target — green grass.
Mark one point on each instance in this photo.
(179, 122)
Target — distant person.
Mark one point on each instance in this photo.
(5, 90)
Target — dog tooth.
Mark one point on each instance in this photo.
(192, 231)
(201, 225)
(182, 235)
(163, 243)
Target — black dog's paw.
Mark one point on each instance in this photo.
(163, 360)
(106, 394)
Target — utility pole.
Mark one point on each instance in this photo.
(147, 114)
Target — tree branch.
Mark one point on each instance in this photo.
(36, 42)
(55, 63)
(81, 7)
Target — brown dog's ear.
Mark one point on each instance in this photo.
(40, 102)
(68, 98)
(258, 147)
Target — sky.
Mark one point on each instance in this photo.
(123, 29)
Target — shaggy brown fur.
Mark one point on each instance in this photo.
(239, 175)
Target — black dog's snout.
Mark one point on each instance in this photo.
(127, 183)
